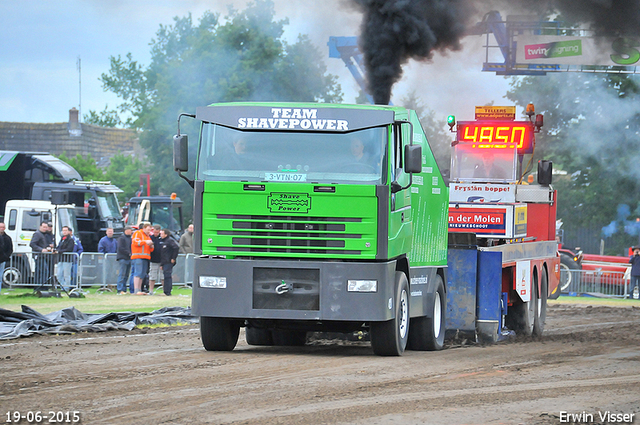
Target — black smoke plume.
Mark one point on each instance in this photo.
(394, 31)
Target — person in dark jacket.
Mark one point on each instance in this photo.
(6, 248)
(123, 256)
(634, 260)
(168, 254)
(108, 244)
(41, 245)
(65, 262)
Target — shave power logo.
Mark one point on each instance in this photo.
(289, 202)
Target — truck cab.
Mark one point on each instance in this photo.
(317, 217)
(96, 207)
(163, 210)
(35, 175)
(22, 220)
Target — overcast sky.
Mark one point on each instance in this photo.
(43, 39)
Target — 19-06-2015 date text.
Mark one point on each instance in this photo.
(43, 417)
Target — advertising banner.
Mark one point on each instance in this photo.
(568, 50)
(490, 221)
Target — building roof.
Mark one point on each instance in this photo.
(70, 138)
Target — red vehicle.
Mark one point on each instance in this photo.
(580, 271)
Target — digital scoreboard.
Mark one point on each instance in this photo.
(497, 135)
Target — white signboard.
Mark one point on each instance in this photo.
(523, 280)
(482, 193)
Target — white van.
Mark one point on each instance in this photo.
(22, 219)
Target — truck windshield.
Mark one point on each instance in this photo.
(108, 204)
(232, 155)
(67, 217)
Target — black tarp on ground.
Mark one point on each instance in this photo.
(69, 320)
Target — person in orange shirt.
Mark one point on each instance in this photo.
(141, 247)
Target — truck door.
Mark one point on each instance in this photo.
(400, 208)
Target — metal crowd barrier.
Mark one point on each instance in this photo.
(43, 269)
(595, 282)
(77, 271)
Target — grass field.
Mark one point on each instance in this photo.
(611, 302)
(94, 301)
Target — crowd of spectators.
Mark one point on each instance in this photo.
(145, 258)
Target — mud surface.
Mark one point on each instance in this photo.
(587, 362)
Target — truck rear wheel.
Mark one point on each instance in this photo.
(541, 310)
(427, 333)
(219, 334)
(15, 273)
(567, 276)
(521, 317)
(257, 336)
(390, 338)
(289, 338)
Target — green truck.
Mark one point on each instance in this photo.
(317, 217)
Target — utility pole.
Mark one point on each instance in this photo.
(79, 65)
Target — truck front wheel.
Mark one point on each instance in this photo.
(390, 338)
(219, 334)
(427, 333)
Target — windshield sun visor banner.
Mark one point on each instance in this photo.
(293, 118)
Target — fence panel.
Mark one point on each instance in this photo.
(75, 271)
(599, 283)
(43, 269)
(91, 269)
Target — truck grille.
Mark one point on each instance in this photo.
(289, 234)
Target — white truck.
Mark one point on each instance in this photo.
(22, 219)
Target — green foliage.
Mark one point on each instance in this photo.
(123, 171)
(591, 132)
(106, 118)
(240, 58)
(87, 167)
(436, 130)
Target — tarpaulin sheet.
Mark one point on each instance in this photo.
(69, 320)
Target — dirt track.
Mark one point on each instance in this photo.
(588, 360)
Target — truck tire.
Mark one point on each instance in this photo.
(521, 317)
(289, 338)
(541, 310)
(219, 334)
(390, 338)
(15, 273)
(567, 277)
(427, 333)
(11, 276)
(258, 336)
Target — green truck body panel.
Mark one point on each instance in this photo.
(289, 220)
(252, 228)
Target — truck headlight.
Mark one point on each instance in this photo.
(362, 285)
(213, 282)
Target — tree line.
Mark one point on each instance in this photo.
(591, 131)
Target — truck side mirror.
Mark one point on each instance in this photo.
(545, 172)
(181, 152)
(413, 159)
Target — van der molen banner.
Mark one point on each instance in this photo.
(567, 50)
